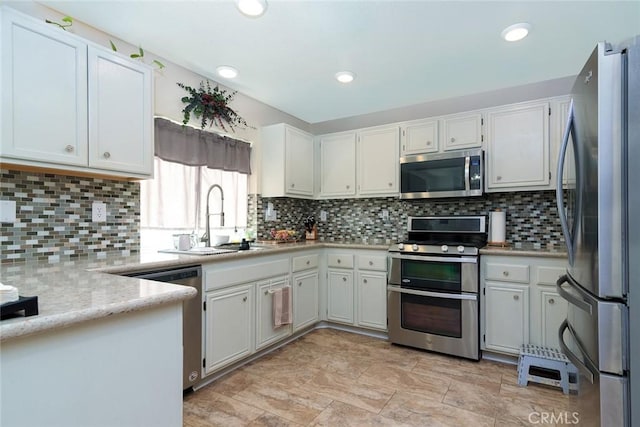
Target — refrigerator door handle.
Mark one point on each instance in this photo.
(559, 190)
(588, 370)
(582, 304)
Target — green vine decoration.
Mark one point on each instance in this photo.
(67, 21)
(211, 106)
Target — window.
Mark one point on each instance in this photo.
(175, 202)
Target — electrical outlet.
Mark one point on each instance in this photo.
(385, 215)
(7, 211)
(99, 212)
(323, 216)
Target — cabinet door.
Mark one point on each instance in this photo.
(507, 317)
(338, 165)
(305, 299)
(462, 131)
(553, 312)
(298, 163)
(420, 137)
(120, 113)
(372, 300)
(44, 93)
(266, 332)
(340, 296)
(229, 326)
(518, 147)
(378, 161)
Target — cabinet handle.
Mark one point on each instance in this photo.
(348, 187)
(308, 262)
(265, 292)
(391, 184)
(552, 301)
(339, 260)
(453, 139)
(364, 280)
(292, 185)
(107, 154)
(68, 148)
(299, 283)
(505, 273)
(370, 262)
(344, 279)
(498, 178)
(428, 142)
(244, 299)
(516, 297)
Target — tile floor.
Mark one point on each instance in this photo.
(336, 378)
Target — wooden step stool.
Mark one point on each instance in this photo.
(550, 359)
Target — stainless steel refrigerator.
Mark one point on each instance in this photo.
(598, 200)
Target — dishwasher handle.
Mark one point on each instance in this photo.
(168, 276)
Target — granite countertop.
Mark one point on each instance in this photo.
(71, 292)
(526, 249)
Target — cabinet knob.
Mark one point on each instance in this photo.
(244, 299)
(453, 139)
(552, 301)
(299, 283)
(339, 260)
(308, 262)
(498, 178)
(505, 273)
(364, 280)
(348, 187)
(107, 154)
(265, 292)
(370, 262)
(516, 297)
(391, 184)
(292, 185)
(344, 279)
(68, 148)
(429, 143)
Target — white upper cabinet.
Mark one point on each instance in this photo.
(120, 107)
(70, 105)
(378, 161)
(287, 162)
(518, 147)
(461, 131)
(44, 93)
(420, 137)
(338, 165)
(360, 163)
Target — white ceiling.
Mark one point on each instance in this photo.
(403, 52)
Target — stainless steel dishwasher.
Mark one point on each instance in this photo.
(191, 317)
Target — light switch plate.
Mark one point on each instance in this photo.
(99, 212)
(7, 211)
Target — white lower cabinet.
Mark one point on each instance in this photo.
(305, 299)
(340, 295)
(507, 316)
(266, 331)
(229, 326)
(520, 302)
(372, 299)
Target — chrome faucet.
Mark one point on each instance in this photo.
(207, 232)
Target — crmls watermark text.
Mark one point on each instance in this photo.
(553, 418)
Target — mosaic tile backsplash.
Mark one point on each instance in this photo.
(53, 217)
(531, 216)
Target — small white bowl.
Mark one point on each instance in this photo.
(219, 239)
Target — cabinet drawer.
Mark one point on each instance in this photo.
(549, 275)
(340, 260)
(304, 262)
(507, 272)
(372, 262)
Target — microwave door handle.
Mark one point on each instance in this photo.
(467, 174)
(588, 369)
(559, 188)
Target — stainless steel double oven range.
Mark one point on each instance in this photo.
(433, 285)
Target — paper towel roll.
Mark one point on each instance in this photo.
(497, 227)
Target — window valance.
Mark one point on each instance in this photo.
(195, 147)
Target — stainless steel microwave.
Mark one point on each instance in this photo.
(454, 174)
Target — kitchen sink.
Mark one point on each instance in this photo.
(227, 248)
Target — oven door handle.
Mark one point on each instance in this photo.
(461, 260)
(443, 295)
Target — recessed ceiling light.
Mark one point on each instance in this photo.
(227, 72)
(516, 32)
(253, 8)
(345, 76)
